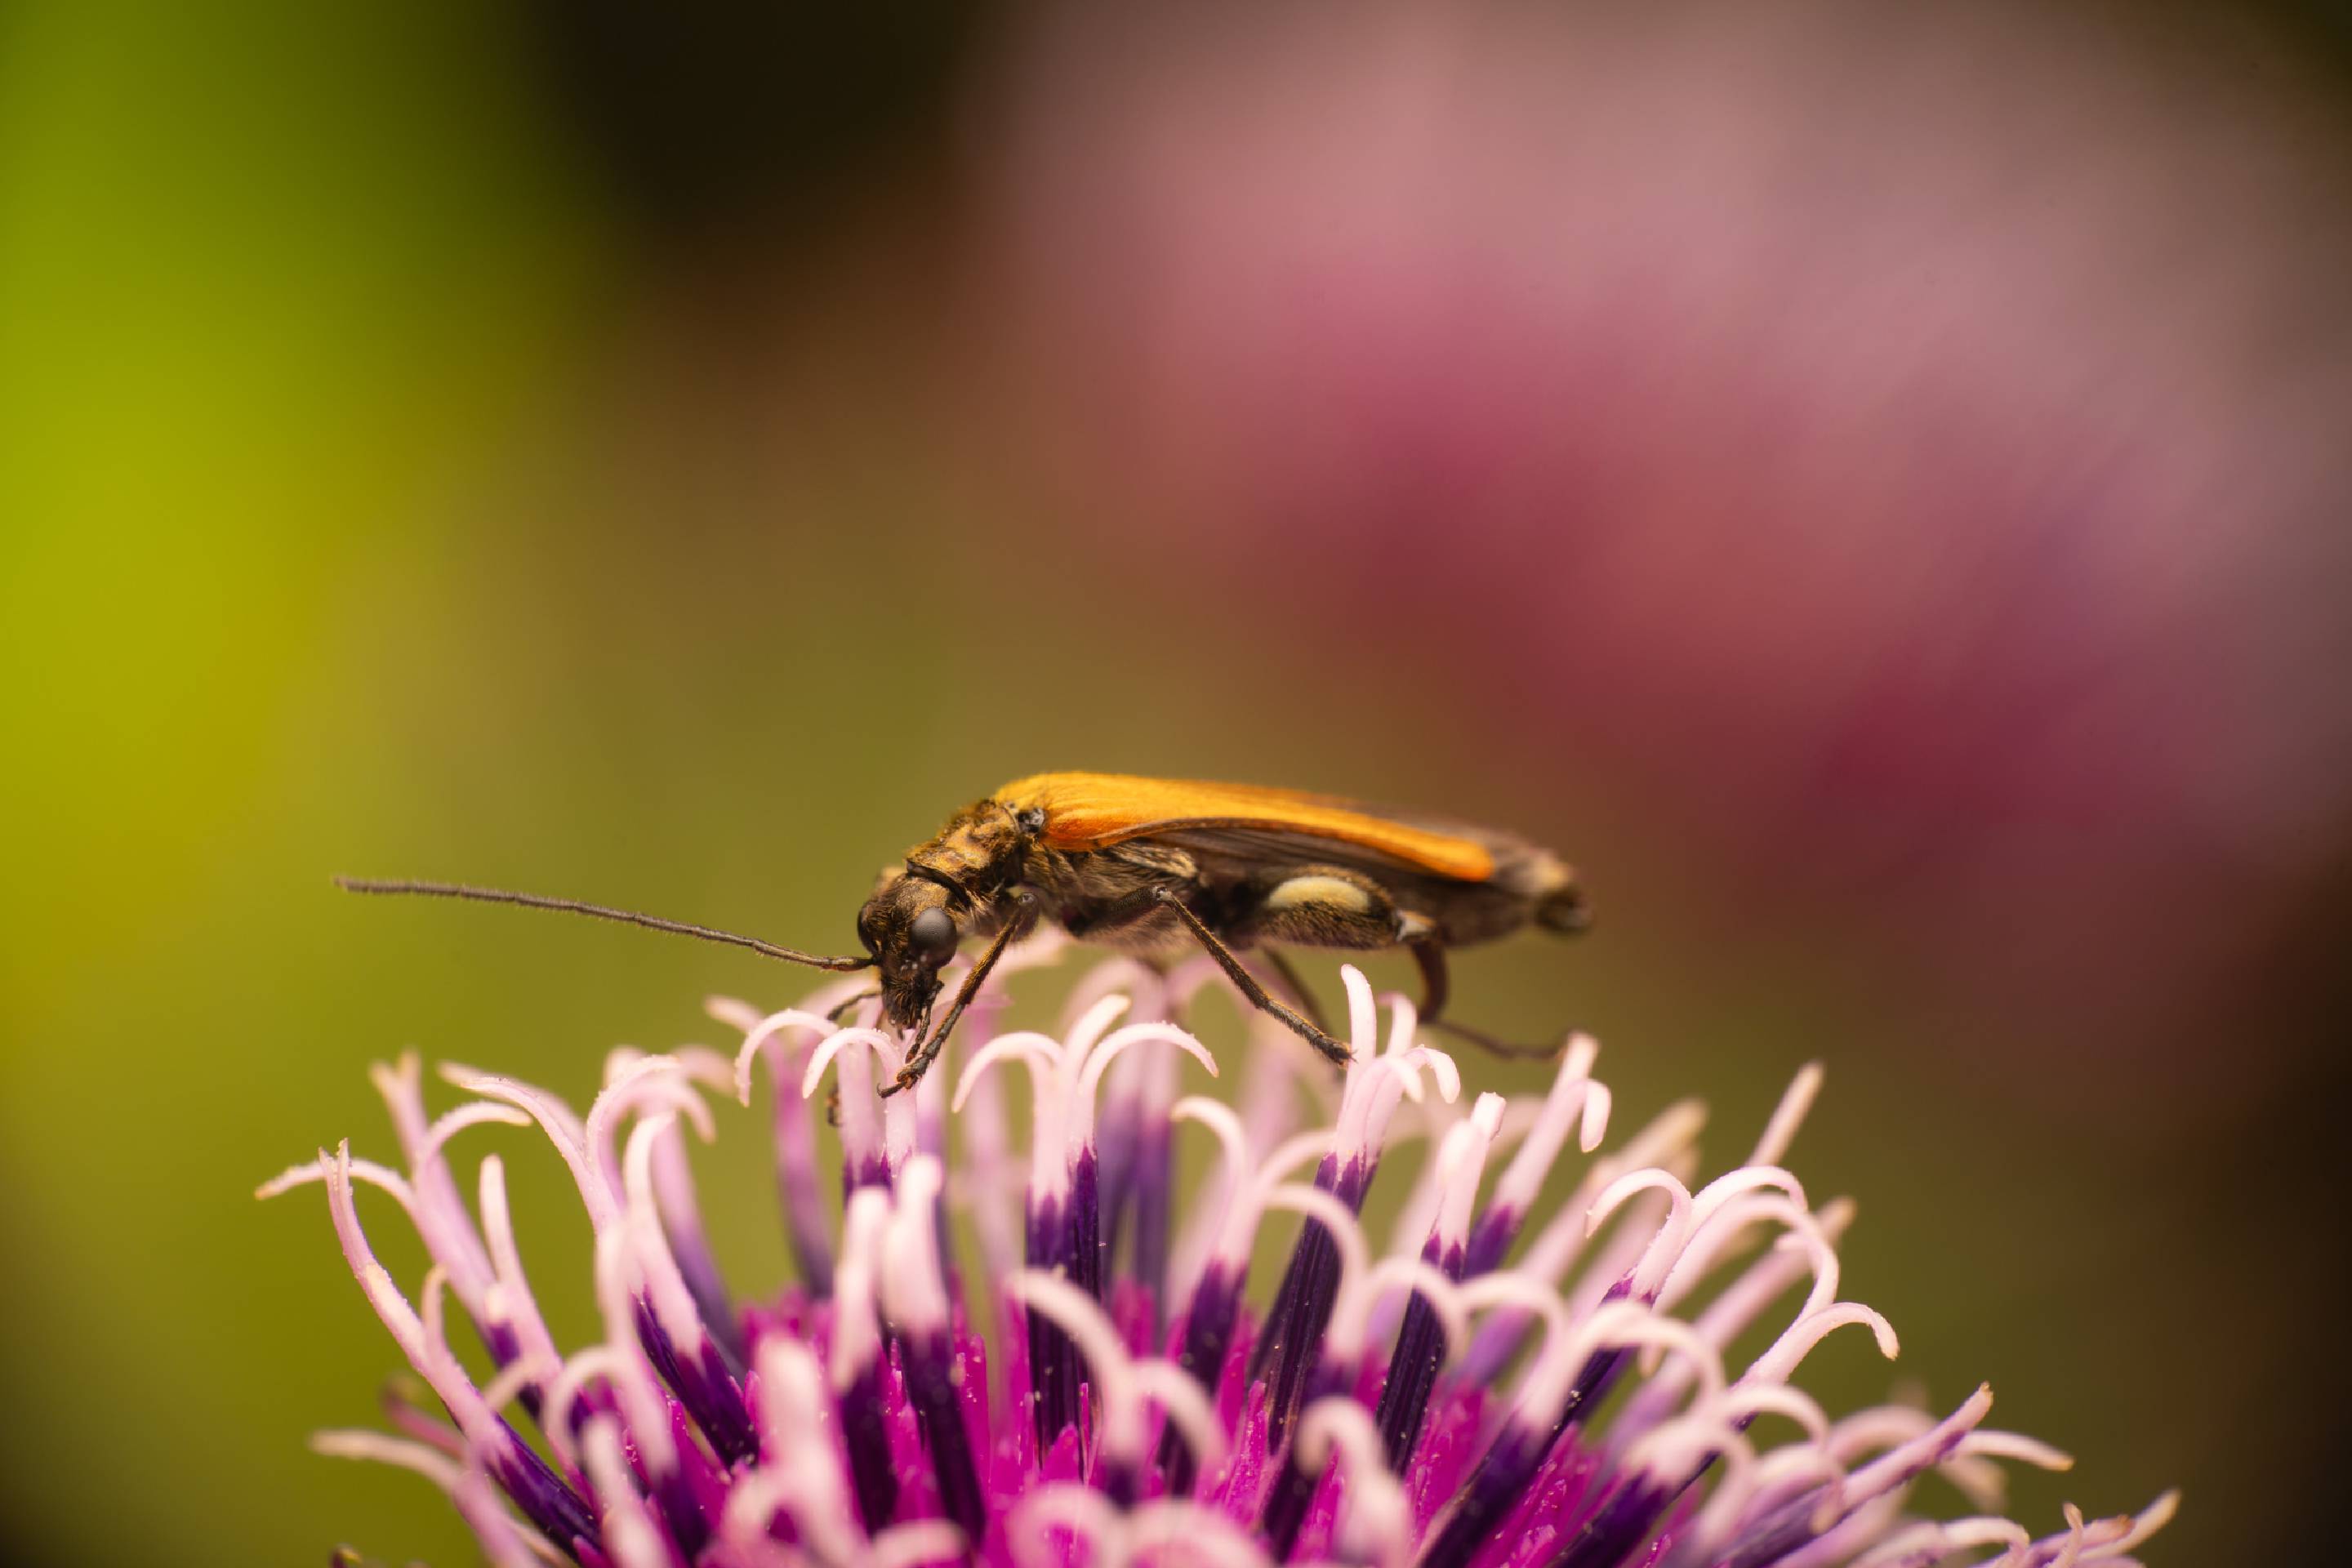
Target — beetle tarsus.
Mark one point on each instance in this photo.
(1495, 1047)
(1435, 989)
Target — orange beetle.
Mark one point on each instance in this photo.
(1148, 865)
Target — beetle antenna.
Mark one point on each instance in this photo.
(598, 912)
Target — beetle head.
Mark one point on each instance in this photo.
(912, 929)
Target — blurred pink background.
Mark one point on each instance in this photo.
(1871, 484)
(1908, 451)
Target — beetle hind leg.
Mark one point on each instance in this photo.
(1434, 990)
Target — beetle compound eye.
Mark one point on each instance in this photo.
(932, 934)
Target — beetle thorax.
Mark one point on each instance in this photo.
(978, 851)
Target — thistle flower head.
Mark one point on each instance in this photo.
(1496, 1387)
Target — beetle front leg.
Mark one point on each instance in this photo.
(840, 1015)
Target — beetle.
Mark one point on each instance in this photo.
(1150, 865)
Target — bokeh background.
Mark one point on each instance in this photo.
(1870, 483)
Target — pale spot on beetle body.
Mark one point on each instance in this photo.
(1328, 891)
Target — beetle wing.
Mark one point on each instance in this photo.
(1271, 826)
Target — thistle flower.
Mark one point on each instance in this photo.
(1102, 1391)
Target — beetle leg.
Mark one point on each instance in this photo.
(841, 1012)
(1287, 973)
(1247, 984)
(1102, 922)
(1434, 987)
(1431, 957)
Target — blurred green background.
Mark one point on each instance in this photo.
(675, 460)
